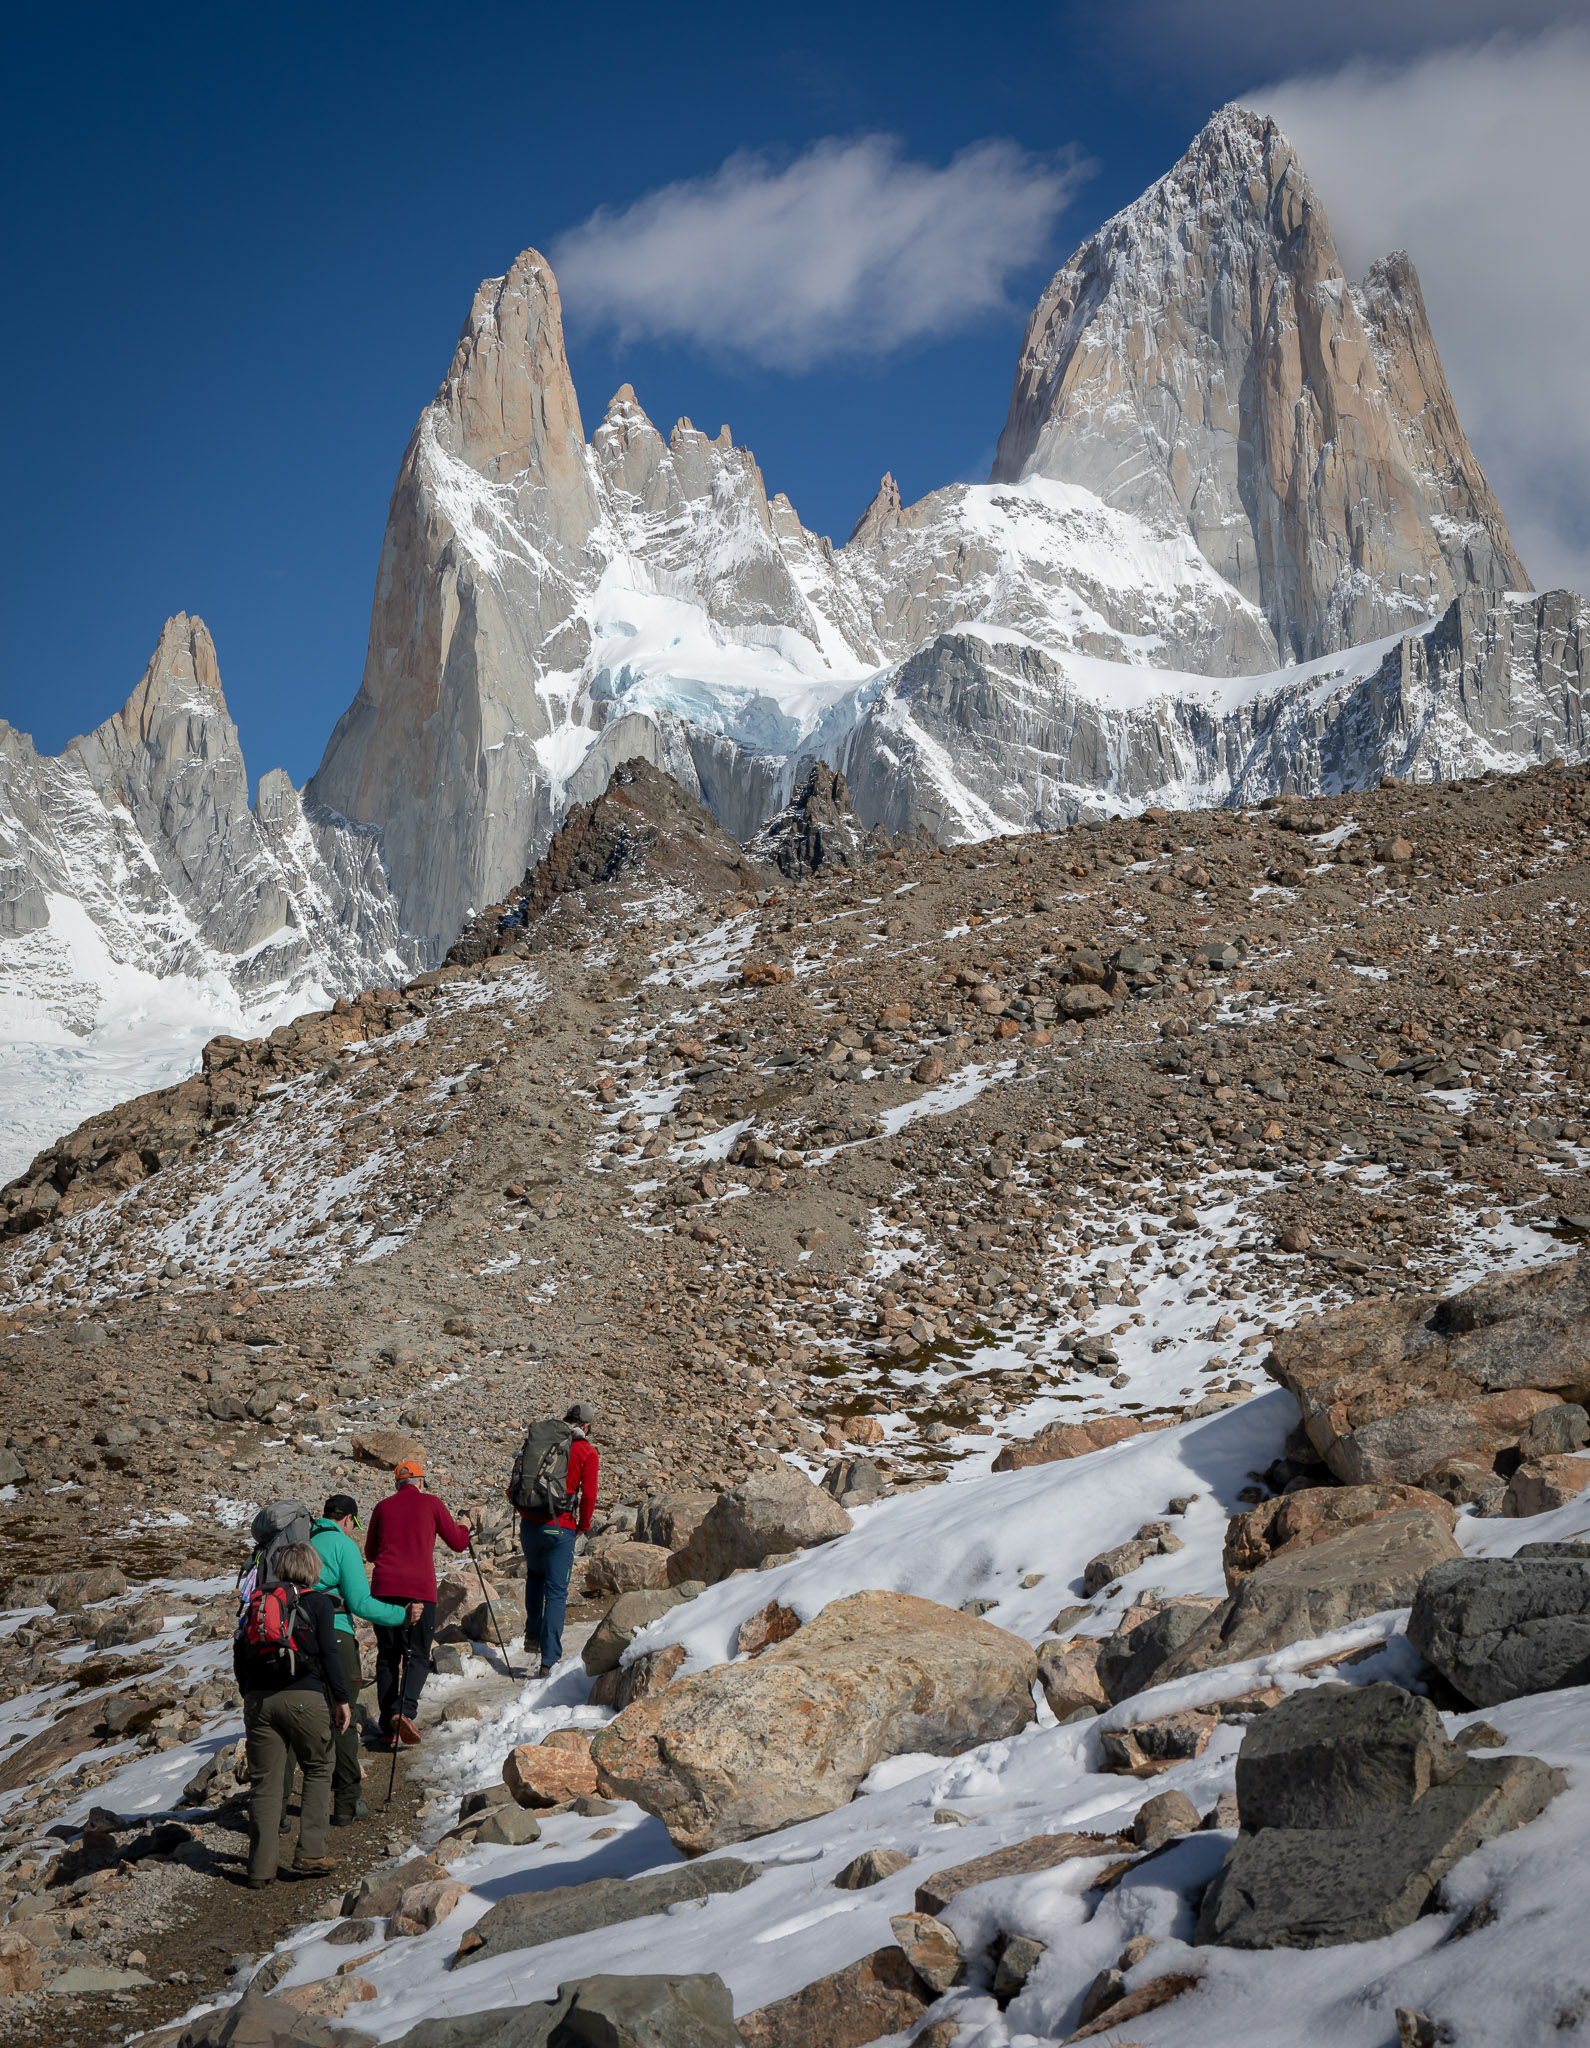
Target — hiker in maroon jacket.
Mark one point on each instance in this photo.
(403, 1533)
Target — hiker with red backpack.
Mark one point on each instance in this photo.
(553, 1487)
(285, 1660)
(404, 1531)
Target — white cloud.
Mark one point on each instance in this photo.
(850, 249)
(1477, 162)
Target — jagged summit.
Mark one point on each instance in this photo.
(1202, 362)
(884, 500)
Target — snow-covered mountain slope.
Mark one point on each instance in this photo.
(145, 905)
(1219, 456)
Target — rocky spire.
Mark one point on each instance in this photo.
(885, 500)
(1202, 361)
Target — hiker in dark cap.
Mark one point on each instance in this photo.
(553, 1486)
(344, 1583)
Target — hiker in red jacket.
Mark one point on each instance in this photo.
(553, 1486)
(404, 1529)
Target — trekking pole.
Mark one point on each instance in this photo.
(403, 1687)
(485, 1594)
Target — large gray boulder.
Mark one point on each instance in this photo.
(619, 1626)
(530, 1919)
(256, 2021)
(773, 1510)
(1309, 1591)
(1353, 1806)
(1499, 1627)
(1127, 1661)
(597, 2012)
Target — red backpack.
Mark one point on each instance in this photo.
(269, 1617)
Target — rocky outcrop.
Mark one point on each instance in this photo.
(1311, 1589)
(1294, 1522)
(641, 827)
(1353, 1806)
(1392, 1390)
(815, 827)
(1203, 362)
(741, 1749)
(1497, 1628)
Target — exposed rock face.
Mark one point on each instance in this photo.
(1203, 362)
(866, 2001)
(1389, 1391)
(1500, 1627)
(816, 825)
(1354, 1806)
(617, 2012)
(1309, 1590)
(973, 734)
(744, 1748)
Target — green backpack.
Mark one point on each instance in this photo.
(536, 1486)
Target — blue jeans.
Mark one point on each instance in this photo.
(548, 1560)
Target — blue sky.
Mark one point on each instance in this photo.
(239, 245)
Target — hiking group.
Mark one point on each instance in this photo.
(296, 1657)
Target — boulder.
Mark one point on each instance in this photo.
(1322, 1586)
(1016, 1859)
(1294, 1521)
(1069, 1675)
(1352, 1807)
(627, 1568)
(66, 1591)
(1390, 1390)
(1497, 1628)
(854, 1481)
(424, 1906)
(377, 1893)
(866, 2001)
(1069, 1440)
(499, 1619)
(512, 1827)
(1556, 1431)
(647, 1674)
(774, 1510)
(669, 1520)
(618, 1627)
(1545, 1483)
(1162, 1818)
(930, 1948)
(256, 2021)
(1128, 1660)
(386, 1448)
(740, 1749)
(12, 1470)
(537, 1775)
(770, 1624)
(20, 1969)
(329, 1998)
(871, 1867)
(596, 2012)
(1154, 1539)
(1149, 1747)
(531, 1919)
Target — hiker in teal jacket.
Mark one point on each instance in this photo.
(343, 1577)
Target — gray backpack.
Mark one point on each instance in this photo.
(278, 1523)
(537, 1486)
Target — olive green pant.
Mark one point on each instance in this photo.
(346, 1777)
(280, 1726)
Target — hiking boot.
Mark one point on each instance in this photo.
(343, 1820)
(315, 1866)
(545, 1670)
(405, 1734)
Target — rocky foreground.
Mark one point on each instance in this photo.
(928, 1228)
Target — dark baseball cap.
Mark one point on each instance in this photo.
(338, 1505)
(583, 1413)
